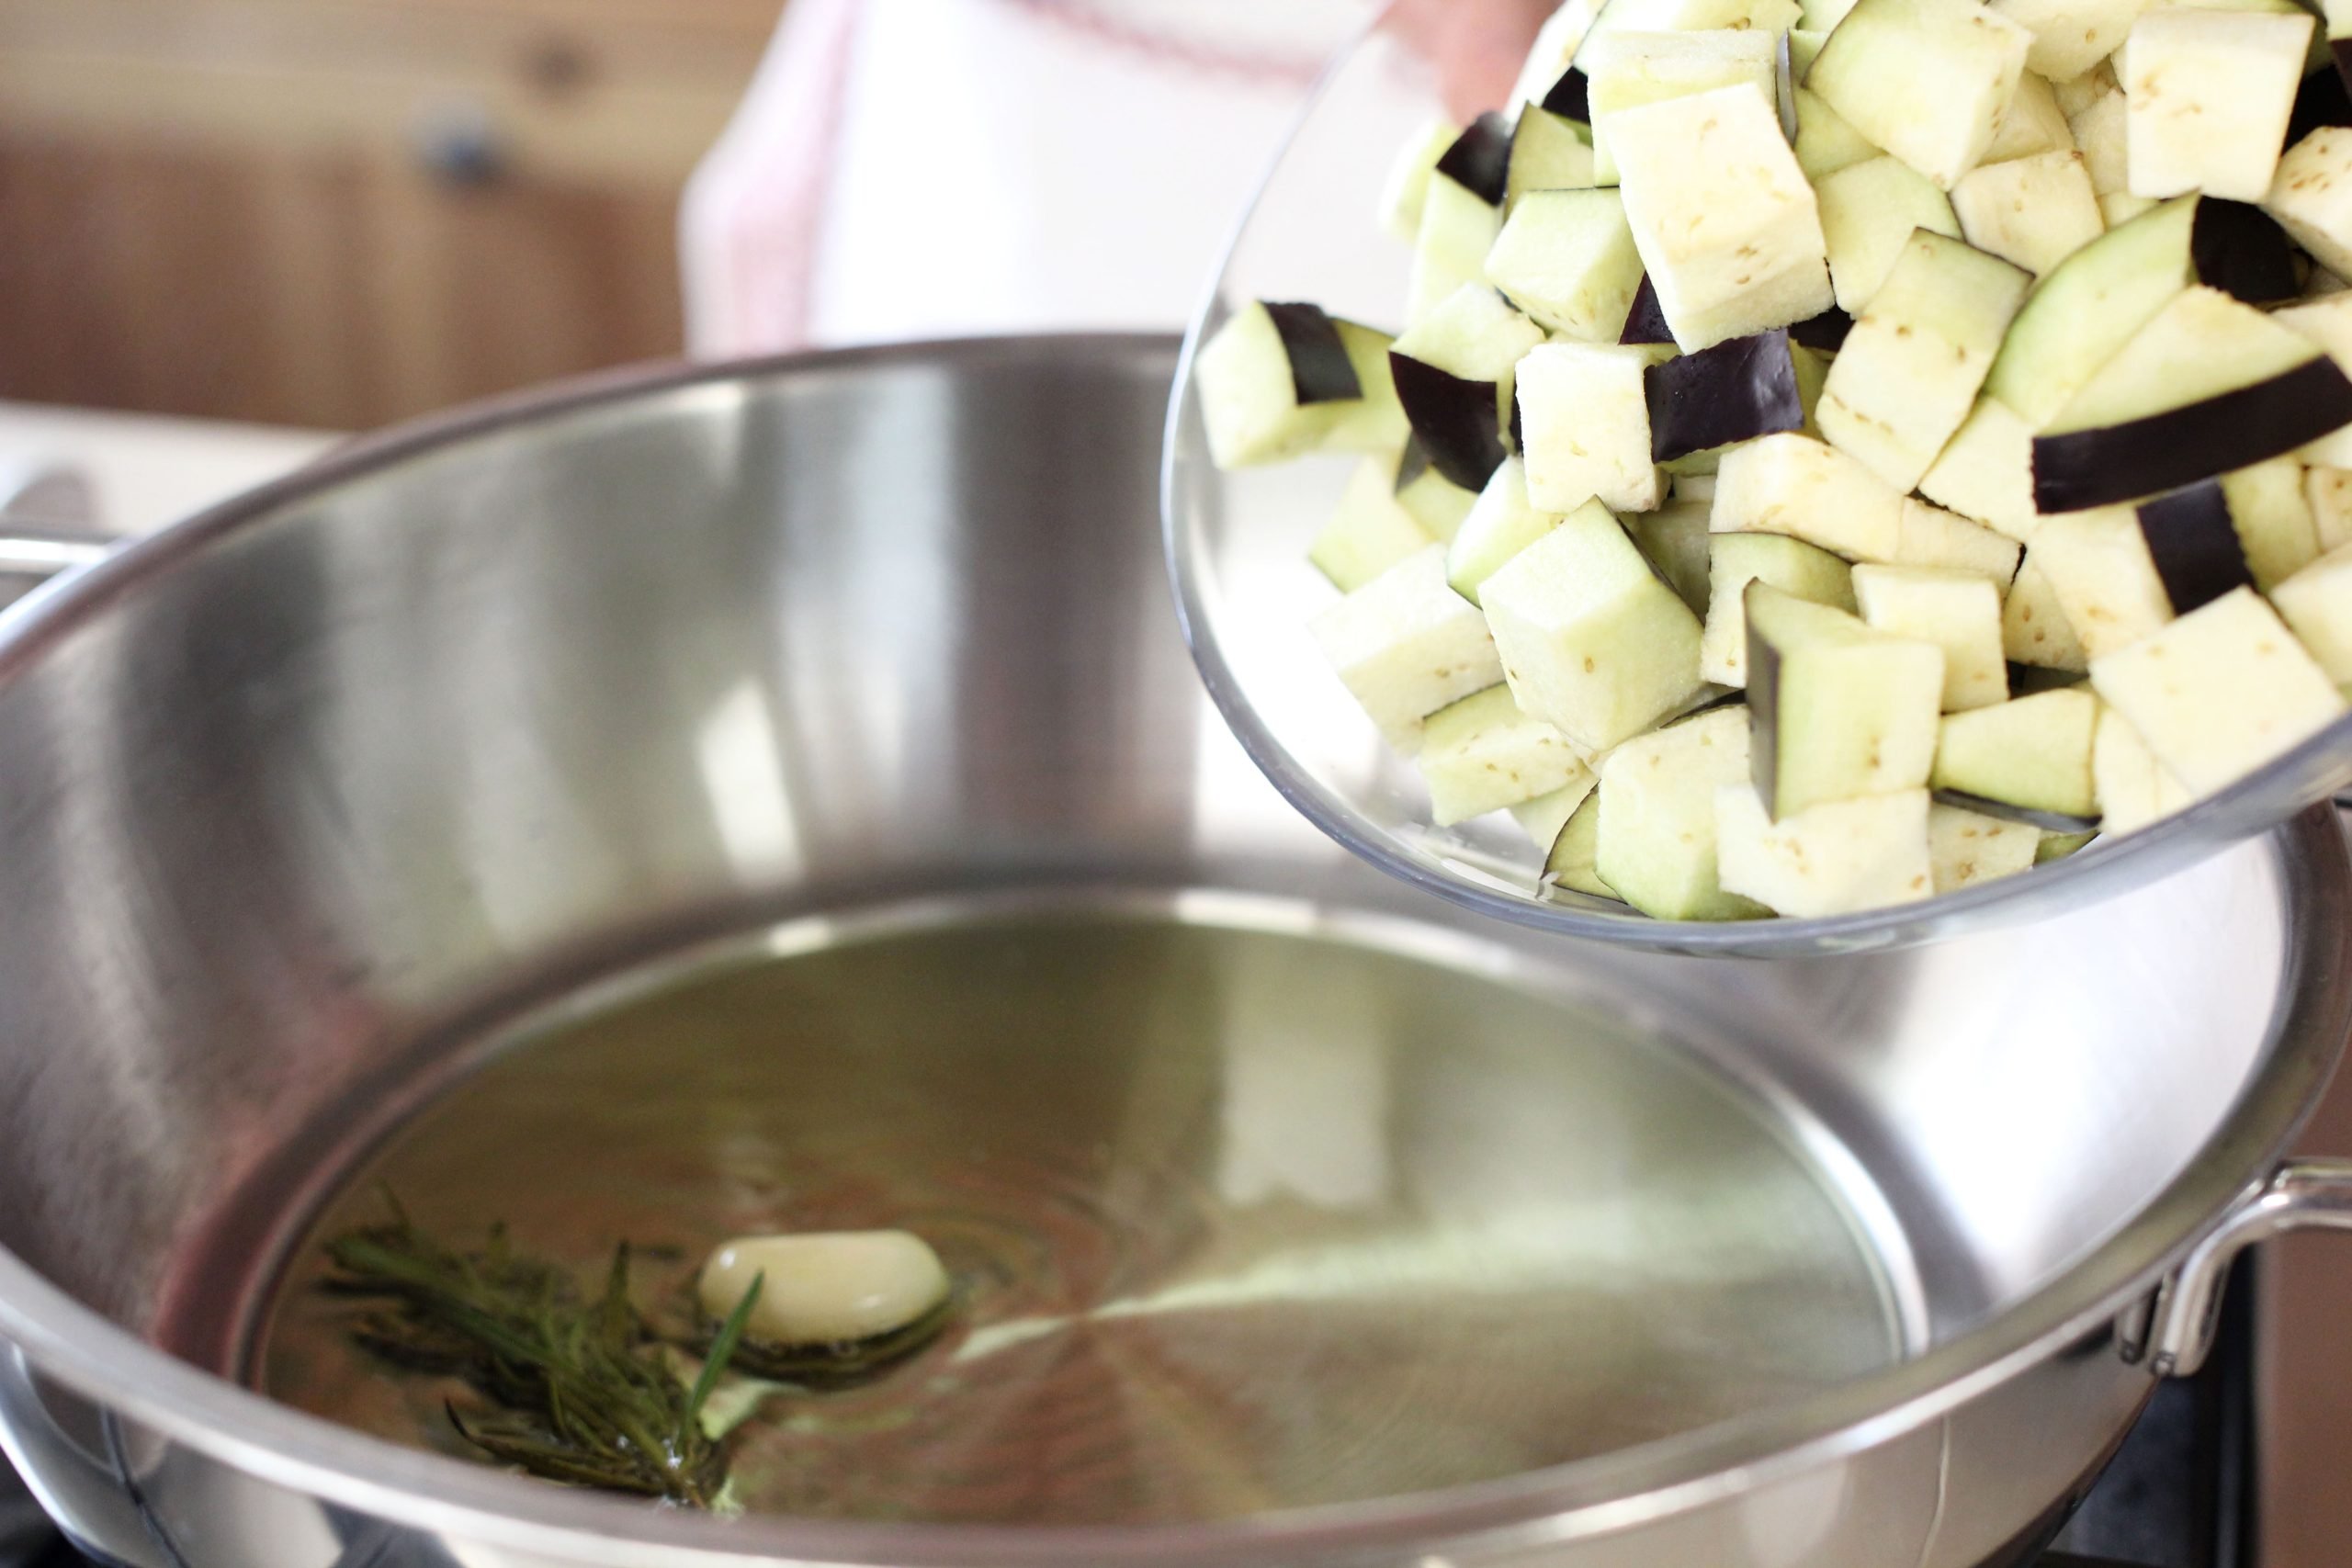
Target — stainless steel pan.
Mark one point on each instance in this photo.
(299, 798)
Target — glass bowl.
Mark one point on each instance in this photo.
(1236, 554)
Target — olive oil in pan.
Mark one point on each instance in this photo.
(1238, 1220)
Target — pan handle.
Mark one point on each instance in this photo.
(83, 1493)
(2302, 1194)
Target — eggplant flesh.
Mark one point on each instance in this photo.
(2241, 251)
(2194, 546)
(1457, 421)
(1984, 805)
(1735, 392)
(1479, 160)
(2083, 468)
(1320, 370)
(1646, 321)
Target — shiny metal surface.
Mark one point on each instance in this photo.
(2305, 1194)
(1238, 546)
(307, 795)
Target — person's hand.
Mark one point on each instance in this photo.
(1477, 46)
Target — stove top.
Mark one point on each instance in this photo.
(2180, 1493)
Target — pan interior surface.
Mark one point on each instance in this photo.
(1248, 1209)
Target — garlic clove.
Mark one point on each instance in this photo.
(825, 1288)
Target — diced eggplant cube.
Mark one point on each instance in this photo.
(1479, 160)
(1837, 858)
(2327, 325)
(2074, 94)
(2103, 136)
(1909, 373)
(1406, 645)
(1824, 334)
(1567, 258)
(1573, 862)
(1278, 380)
(1436, 502)
(2329, 490)
(1590, 640)
(1452, 373)
(2031, 123)
(1585, 427)
(1655, 839)
(2071, 37)
(2240, 250)
(2210, 95)
(1945, 541)
(1804, 48)
(1674, 540)
(2035, 631)
(2099, 568)
(1630, 69)
(2208, 385)
(1868, 213)
(1767, 16)
(1553, 54)
(1825, 143)
(1544, 819)
(2272, 516)
(2134, 789)
(1502, 522)
(1790, 565)
(1957, 611)
(1458, 227)
(1986, 471)
(2194, 545)
(1725, 223)
(2220, 692)
(2058, 846)
(2312, 197)
(1797, 486)
(1737, 391)
(2317, 602)
(1925, 79)
(1369, 533)
(1547, 153)
(1481, 754)
(1407, 189)
(2035, 211)
(1839, 710)
(1968, 847)
(2029, 759)
(2086, 309)
(1644, 322)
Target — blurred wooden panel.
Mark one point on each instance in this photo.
(341, 212)
(2305, 1442)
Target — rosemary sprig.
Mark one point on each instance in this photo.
(583, 1389)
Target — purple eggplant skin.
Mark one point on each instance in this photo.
(1320, 370)
(2082, 468)
(1733, 392)
(1570, 98)
(2194, 545)
(1479, 160)
(2324, 98)
(1644, 322)
(1412, 463)
(2025, 679)
(1457, 421)
(1763, 715)
(1984, 805)
(2239, 250)
(1824, 334)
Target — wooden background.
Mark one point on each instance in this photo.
(341, 212)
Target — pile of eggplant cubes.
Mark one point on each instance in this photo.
(1842, 450)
